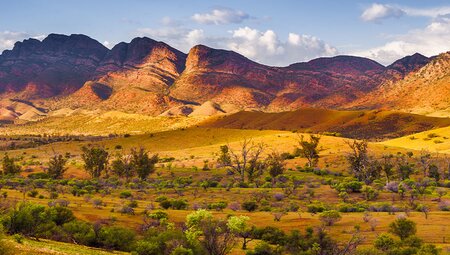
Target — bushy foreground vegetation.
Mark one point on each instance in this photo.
(202, 233)
(254, 178)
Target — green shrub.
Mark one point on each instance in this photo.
(33, 193)
(61, 215)
(316, 207)
(249, 206)
(28, 219)
(117, 238)
(81, 232)
(125, 194)
(179, 204)
(403, 228)
(330, 217)
(218, 206)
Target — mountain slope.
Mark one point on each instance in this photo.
(150, 77)
(232, 80)
(133, 77)
(59, 65)
(425, 91)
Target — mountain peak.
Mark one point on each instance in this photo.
(339, 64)
(409, 63)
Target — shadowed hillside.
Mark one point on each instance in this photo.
(354, 124)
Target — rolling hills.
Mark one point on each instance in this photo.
(355, 124)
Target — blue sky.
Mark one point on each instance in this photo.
(272, 32)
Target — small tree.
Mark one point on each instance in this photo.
(424, 161)
(57, 166)
(330, 217)
(142, 163)
(213, 234)
(239, 226)
(246, 162)
(403, 228)
(122, 167)
(441, 192)
(384, 242)
(360, 165)
(404, 167)
(309, 149)
(275, 164)
(9, 165)
(95, 160)
(433, 172)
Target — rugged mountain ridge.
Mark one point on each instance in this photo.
(425, 91)
(146, 76)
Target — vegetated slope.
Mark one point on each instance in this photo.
(150, 77)
(426, 91)
(436, 140)
(354, 124)
(49, 247)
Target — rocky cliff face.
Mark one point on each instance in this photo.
(59, 65)
(133, 77)
(146, 76)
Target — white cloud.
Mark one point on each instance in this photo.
(430, 40)
(377, 12)
(107, 44)
(9, 38)
(195, 37)
(221, 16)
(431, 12)
(262, 46)
(266, 47)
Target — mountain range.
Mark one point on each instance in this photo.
(150, 77)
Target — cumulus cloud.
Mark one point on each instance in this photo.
(262, 46)
(377, 12)
(9, 38)
(221, 16)
(430, 40)
(266, 46)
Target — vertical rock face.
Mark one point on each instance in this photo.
(147, 76)
(59, 65)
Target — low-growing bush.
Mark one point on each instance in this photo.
(218, 206)
(249, 206)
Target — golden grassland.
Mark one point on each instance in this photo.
(193, 146)
(436, 140)
(97, 123)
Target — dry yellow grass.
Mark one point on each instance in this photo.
(82, 122)
(192, 146)
(436, 140)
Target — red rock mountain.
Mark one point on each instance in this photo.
(59, 65)
(424, 91)
(146, 76)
